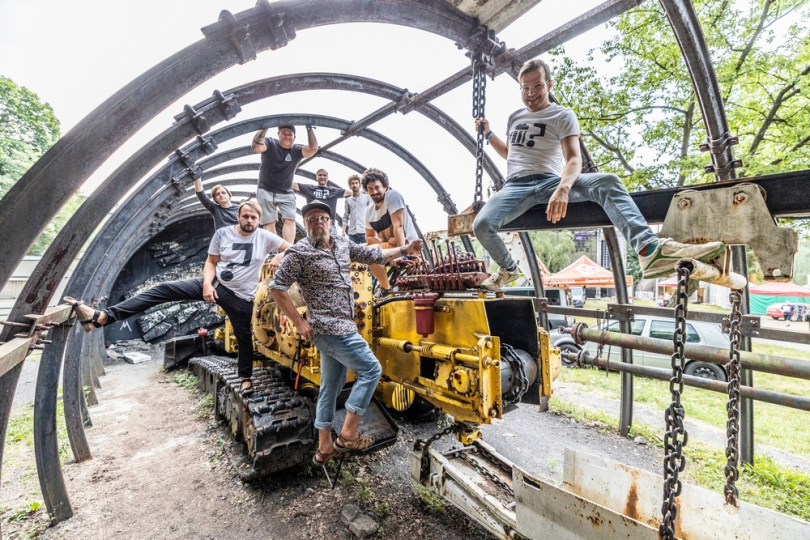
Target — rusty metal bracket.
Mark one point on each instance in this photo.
(191, 167)
(197, 118)
(621, 312)
(493, 50)
(228, 105)
(405, 101)
(281, 35)
(719, 145)
(208, 144)
(239, 36)
(734, 215)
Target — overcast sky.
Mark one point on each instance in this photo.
(76, 54)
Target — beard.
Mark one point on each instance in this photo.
(247, 227)
(378, 197)
(319, 236)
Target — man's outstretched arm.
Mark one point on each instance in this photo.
(312, 143)
(558, 203)
(501, 147)
(258, 145)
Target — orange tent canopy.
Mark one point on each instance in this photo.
(583, 273)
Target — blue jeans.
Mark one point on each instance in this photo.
(338, 354)
(518, 196)
(359, 238)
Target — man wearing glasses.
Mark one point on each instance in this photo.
(543, 166)
(320, 265)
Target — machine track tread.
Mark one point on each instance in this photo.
(275, 422)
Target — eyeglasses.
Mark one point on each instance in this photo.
(318, 219)
(536, 88)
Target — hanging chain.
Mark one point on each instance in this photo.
(733, 405)
(479, 101)
(424, 445)
(674, 462)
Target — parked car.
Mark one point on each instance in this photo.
(800, 312)
(697, 332)
(578, 300)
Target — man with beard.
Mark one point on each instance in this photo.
(280, 159)
(320, 265)
(322, 192)
(354, 217)
(230, 279)
(544, 166)
(388, 221)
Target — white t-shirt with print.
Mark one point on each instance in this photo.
(534, 140)
(379, 219)
(241, 258)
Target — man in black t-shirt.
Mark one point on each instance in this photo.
(280, 159)
(323, 192)
(219, 204)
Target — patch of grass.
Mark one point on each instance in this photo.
(25, 511)
(21, 428)
(383, 508)
(363, 493)
(186, 379)
(444, 420)
(429, 501)
(205, 408)
(766, 484)
(782, 427)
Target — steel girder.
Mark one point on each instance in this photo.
(233, 39)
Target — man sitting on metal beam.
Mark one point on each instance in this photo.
(543, 166)
(231, 274)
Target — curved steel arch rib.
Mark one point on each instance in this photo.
(49, 184)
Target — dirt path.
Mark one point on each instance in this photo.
(159, 471)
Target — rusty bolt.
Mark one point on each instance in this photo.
(684, 203)
(777, 272)
(489, 344)
(740, 198)
(493, 412)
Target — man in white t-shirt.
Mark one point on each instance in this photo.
(388, 222)
(230, 279)
(544, 166)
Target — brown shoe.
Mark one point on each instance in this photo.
(320, 459)
(361, 442)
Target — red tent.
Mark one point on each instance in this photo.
(583, 273)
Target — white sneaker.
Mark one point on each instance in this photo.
(500, 278)
(661, 262)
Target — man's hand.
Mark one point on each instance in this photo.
(414, 247)
(209, 293)
(304, 329)
(557, 205)
(479, 122)
(275, 261)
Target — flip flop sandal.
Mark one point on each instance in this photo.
(246, 391)
(87, 324)
(361, 442)
(325, 458)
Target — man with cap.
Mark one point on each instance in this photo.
(280, 159)
(320, 265)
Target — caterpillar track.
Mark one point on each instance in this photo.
(275, 423)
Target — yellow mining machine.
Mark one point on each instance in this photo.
(441, 342)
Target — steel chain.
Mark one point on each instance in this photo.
(486, 473)
(424, 445)
(479, 101)
(674, 461)
(733, 405)
(519, 370)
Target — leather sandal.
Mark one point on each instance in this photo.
(324, 458)
(361, 442)
(90, 324)
(246, 391)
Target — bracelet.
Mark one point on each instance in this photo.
(402, 251)
(488, 135)
(309, 127)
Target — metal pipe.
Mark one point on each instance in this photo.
(626, 411)
(788, 367)
(436, 351)
(767, 396)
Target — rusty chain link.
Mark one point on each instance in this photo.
(733, 405)
(424, 445)
(674, 461)
(486, 473)
(479, 101)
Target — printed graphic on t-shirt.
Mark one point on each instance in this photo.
(241, 258)
(288, 158)
(524, 134)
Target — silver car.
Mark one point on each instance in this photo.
(698, 332)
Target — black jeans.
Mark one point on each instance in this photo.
(239, 311)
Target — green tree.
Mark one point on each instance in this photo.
(762, 60)
(28, 128)
(554, 248)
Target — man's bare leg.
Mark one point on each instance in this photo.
(270, 227)
(288, 231)
(378, 271)
(325, 444)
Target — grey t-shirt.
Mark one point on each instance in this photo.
(278, 166)
(379, 219)
(222, 216)
(534, 140)
(241, 258)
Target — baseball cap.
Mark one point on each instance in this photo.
(316, 205)
(288, 127)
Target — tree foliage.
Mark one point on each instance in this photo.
(644, 123)
(28, 128)
(554, 248)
